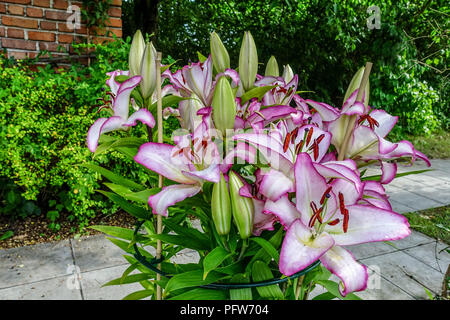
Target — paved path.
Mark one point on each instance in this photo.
(76, 269)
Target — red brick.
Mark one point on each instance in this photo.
(18, 1)
(2, 8)
(115, 22)
(15, 10)
(62, 27)
(18, 44)
(19, 22)
(15, 33)
(116, 3)
(53, 46)
(65, 38)
(35, 12)
(56, 15)
(115, 12)
(18, 54)
(2, 32)
(42, 36)
(42, 3)
(47, 25)
(101, 40)
(60, 4)
(117, 32)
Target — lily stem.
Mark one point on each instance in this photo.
(299, 286)
(243, 249)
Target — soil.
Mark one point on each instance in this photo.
(35, 229)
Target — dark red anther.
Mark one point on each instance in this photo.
(325, 194)
(341, 203)
(345, 223)
(316, 151)
(316, 213)
(286, 142)
(182, 76)
(308, 137)
(282, 90)
(320, 138)
(299, 147)
(294, 135)
(204, 144)
(334, 222)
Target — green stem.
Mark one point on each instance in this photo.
(243, 249)
(299, 286)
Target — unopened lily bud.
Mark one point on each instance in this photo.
(248, 61)
(241, 207)
(354, 85)
(136, 52)
(223, 106)
(221, 207)
(148, 71)
(272, 68)
(288, 74)
(219, 54)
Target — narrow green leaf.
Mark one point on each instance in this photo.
(129, 142)
(140, 196)
(201, 57)
(244, 293)
(324, 296)
(168, 101)
(181, 241)
(201, 294)
(111, 176)
(333, 288)
(192, 279)
(138, 295)
(130, 269)
(261, 272)
(257, 92)
(8, 234)
(266, 245)
(214, 259)
(185, 231)
(118, 232)
(130, 279)
(398, 175)
(132, 209)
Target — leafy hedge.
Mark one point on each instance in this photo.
(44, 117)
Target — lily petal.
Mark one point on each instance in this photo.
(100, 126)
(300, 248)
(275, 184)
(284, 209)
(144, 116)
(121, 103)
(341, 262)
(170, 195)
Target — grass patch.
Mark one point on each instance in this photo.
(433, 222)
(435, 146)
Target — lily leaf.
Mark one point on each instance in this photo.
(213, 260)
(138, 295)
(132, 209)
(398, 175)
(111, 176)
(201, 294)
(257, 92)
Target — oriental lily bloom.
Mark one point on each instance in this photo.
(191, 162)
(282, 94)
(252, 114)
(325, 218)
(120, 104)
(198, 78)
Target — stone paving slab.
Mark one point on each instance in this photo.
(410, 199)
(34, 263)
(96, 252)
(408, 273)
(60, 288)
(92, 282)
(433, 254)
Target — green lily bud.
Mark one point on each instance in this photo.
(223, 106)
(148, 71)
(354, 85)
(288, 74)
(221, 207)
(136, 52)
(219, 54)
(248, 61)
(242, 207)
(272, 68)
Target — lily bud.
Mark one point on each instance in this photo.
(272, 68)
(242, 207)
(248, 61)
(136, 52)
(223, 105)
(288, 74)
(354, 85)
(219, 54)
(221, 207)
(148, 71)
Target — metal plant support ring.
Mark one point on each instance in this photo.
(217, 286)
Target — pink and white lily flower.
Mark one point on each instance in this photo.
(191, 162)
(325, 218)
(198, 78)
(120, 104)
(282, 94)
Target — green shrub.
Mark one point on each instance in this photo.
(44, 118)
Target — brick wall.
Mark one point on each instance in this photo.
(30, 26)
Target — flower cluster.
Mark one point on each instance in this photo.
(306, 157)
